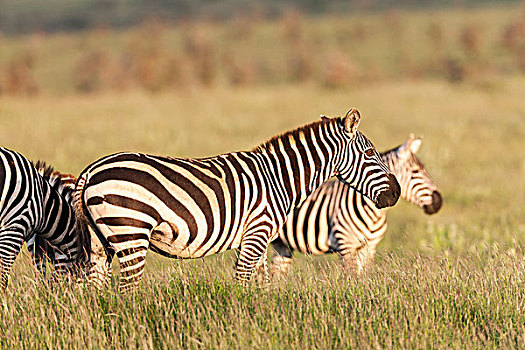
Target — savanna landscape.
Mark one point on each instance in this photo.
(455, 75)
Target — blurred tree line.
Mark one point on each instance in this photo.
(25, 16)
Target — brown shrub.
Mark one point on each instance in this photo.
(117, 74)
(89, 70)
(470, 39)
(300, 64)
(512, 36)
(241, 27)
(435, 34)
(238, 72)
(394, 24)
(199, 49)
(19, 79)
(520, 58)
(454, 69)
(340, 71)
(291, 26)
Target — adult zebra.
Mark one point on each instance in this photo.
(36, 206)
(191, 208)
(337, 218)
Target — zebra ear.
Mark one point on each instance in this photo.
(352, 120)
(414, 146)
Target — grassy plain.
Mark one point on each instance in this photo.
(452, 280)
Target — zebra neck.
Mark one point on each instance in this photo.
(296, 173)
(57, 210)
(299, 161)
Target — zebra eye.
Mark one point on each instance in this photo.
(369, 152)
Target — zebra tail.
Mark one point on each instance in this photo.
(81, 225)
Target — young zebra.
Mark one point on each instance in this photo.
(337, 218)
(36, 206)
(191, 208)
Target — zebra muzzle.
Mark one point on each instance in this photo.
(436, 204)
(389, 197)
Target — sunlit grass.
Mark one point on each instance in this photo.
(405, 300)
(451, 280)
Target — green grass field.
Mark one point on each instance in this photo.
(452, 280)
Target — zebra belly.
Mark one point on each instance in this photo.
(127, 227)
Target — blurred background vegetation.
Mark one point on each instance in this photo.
(57, 47)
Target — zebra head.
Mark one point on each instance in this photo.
(416, 184)
(362, 168)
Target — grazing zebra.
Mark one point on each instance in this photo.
(36, 206)
(191, 208)
(337, 218)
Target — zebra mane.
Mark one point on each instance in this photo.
(273, 143)
(414, 159)
(62, 183)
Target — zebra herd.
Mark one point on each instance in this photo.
(281, 192)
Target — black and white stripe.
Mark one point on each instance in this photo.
(36, 206)
(191, 208)
(337, 218)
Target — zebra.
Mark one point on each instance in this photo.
(337, 218)
(192, 208)
(36, 206)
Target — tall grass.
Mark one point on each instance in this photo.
(405, 300)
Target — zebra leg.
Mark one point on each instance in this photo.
(10, 244)
(253, 254)
(43, 253)
(37, 258)
(356, 260)
(281, 259)
(364, 256)
(132, 261)
(99, 273)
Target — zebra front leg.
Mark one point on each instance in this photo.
(10, 244)
(356, 260)
(365, 255)
(281, 259)
(253, 254)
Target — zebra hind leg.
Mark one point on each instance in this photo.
(99, 273)
(132, 261)
(253, 255)
(10, 245)
(282, 258)
(37, 256)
